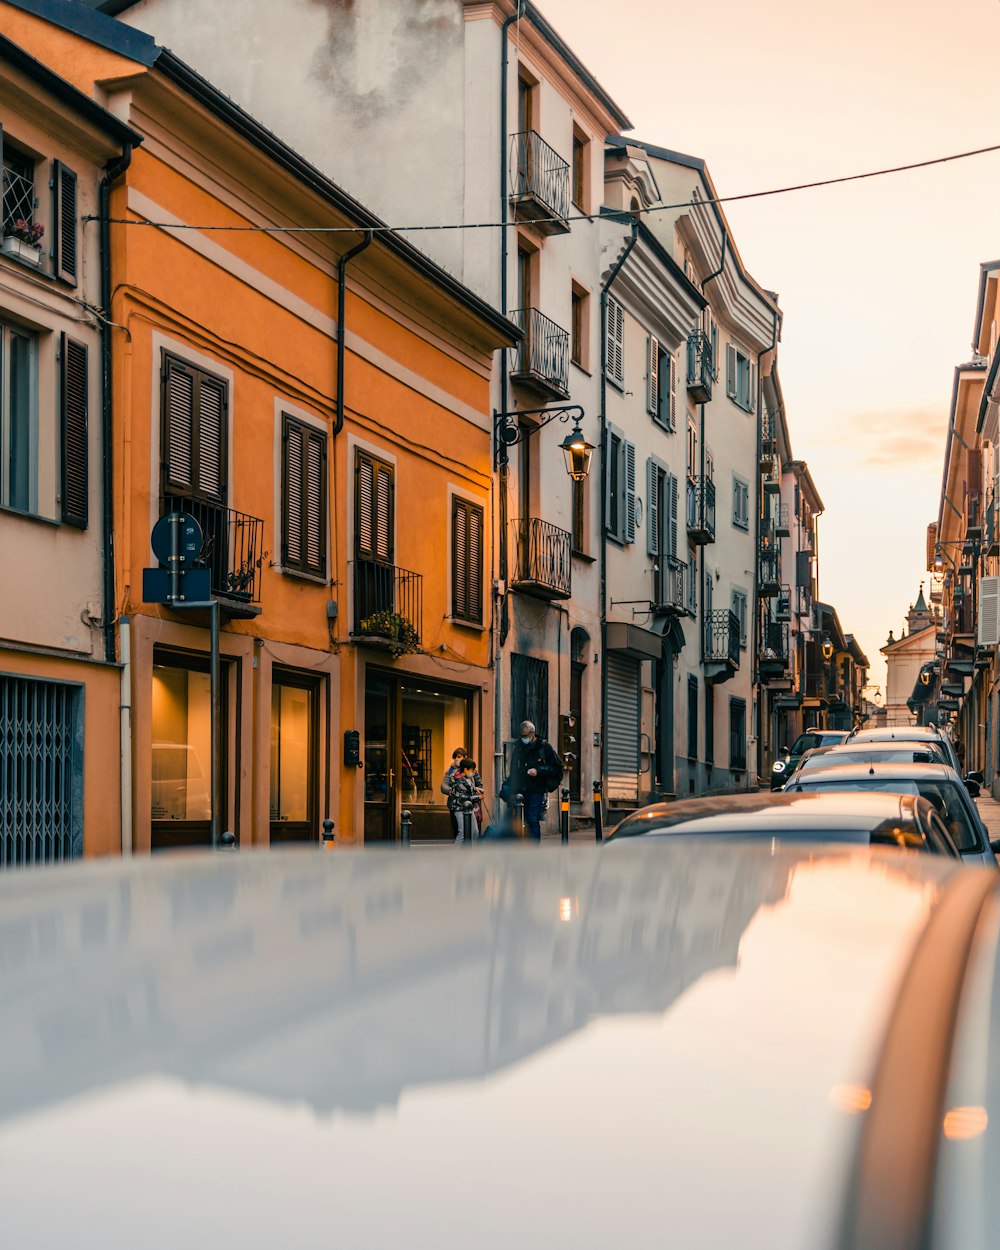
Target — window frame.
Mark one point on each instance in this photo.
(580, 326)
(741, 502)
(7, 329)
(170, 362)
(739, 602)
(614, 339)
(301, 564)
(737, 734)
(740, 369)
(362, 454)
(692, 711)
(620, 486)
(580, 170)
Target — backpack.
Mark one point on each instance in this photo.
(553, 761)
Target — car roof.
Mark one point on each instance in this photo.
(373, 1016)
(905, 733)
(886, 770)
(765, 810)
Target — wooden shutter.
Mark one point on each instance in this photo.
(612, 481)
(178, 428)
(628, 463)
(752, 397)
(73, 404)
(373, 508)
(803, 569)
(652, 507)
(467, 561)
(672, 515)
(974, 471)
(672, 421)
(931, 551)
(303, 494)
(737, 509)
(652, 375)
(989, 611)
(194, 425)
(730, 371)
(615, 336)
(64, 231)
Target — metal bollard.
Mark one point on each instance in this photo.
(467, 822)
(405, 821)
(598, 813)
(519, 806)
(227, 841)
(564, 816)
(327, 839)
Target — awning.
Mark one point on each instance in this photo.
(634, 641)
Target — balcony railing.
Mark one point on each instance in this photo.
(701, 509)
(670, 589)
(783, 603)
(768, 437)
(539, 183)
(769, 574)
(772, 476)
(541, 563)
(700, 367)
(782, 521)
(974, 516)
(233, 548)
(774, 652)
(803, 600)
(388, 604)
(722, 638)
(541, 359)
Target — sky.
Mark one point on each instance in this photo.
(878, 279)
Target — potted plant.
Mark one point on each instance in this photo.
(395, 628)
(23, 240)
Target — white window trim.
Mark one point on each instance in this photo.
(6, 326)
(743, 522)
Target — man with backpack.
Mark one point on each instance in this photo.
(535, 770)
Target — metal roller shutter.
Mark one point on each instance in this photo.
(623, 728)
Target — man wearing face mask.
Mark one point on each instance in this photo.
(535, 769)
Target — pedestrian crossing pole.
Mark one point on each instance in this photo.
(564, 816)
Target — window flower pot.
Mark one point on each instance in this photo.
(21, 251)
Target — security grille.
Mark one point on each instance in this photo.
(623, 728)
(18, 191)
(41, 771)
(529, 694)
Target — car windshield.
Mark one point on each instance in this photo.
(873, 755)
(944, 795)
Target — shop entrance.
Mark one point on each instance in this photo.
(411, 728)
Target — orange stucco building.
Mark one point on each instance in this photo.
(343, 521)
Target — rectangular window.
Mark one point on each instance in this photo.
(739, 606)
(529, 694)
(294, 756)
(18, 190)
(614, 332)
(692, 451)
(741, 378)
(579, 517)
(303, 497)
(579, 339)
(709, 723)
(738, 734)
(194, 432)
(374, 510)
(18, 419)
(692, 743)
(661, 383)
(580, 152)
(466, 561)
(741, 503)
(620, 487)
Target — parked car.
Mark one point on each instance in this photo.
(936, 782)
(700, 1046)
(904, 821)
(804, 742)
(909, 733)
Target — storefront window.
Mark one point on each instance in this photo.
(182, 744)
(291, 743)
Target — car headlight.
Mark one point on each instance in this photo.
(778, 766)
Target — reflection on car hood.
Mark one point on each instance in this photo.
(445, 1049)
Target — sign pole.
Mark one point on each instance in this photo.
(216, 727)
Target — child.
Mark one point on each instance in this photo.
(464, 790)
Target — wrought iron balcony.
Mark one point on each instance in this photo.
(233, 549)
(768, 438)
(772, 476)
(700, 367)
(670, 590)
(803, 600)
(722, 644)
(541, 359)
(388, 605)
(769, 572)
(701, 510)
(783, 603)
(539, 183)
(774, 652)
(974, 516)
(782, 521)
(541, 563)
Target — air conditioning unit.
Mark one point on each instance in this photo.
(989, 611)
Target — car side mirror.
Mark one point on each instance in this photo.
(975, 775)
(972, 786)
(785, 751)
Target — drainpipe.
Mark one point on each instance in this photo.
(349, 255)
(754, 679)
(605, 288)
(125, 738)
(499, 616)
(112, 172)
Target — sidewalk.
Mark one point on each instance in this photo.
(989, 811)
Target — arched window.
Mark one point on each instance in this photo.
(579, 645)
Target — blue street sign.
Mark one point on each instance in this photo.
(189, 539)
(195, 585)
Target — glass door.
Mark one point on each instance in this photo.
(294, 757)
(381, 767)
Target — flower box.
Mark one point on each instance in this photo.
(21, 251)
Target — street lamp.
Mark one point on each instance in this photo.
(826, 646)
(575, 448)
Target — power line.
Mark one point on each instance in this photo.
(499, 225)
